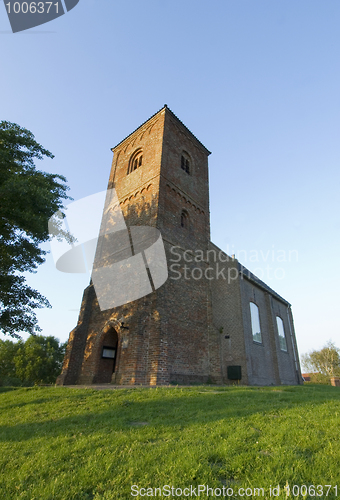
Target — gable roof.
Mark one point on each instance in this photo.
(165, 107)
(244, 272)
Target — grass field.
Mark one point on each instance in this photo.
(60, 444)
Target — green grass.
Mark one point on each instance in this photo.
(62, 444)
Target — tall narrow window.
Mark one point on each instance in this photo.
(185, 162)
(136, 161)
(281, 331)
(184, 219)
(255, 323)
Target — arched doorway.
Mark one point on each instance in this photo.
(107, 353)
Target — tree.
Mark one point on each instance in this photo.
(28, 198)
(39, 359)
(36, 361)
(326, 361)
(8, 351)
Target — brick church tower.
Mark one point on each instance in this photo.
(160, 173)
(201, 325)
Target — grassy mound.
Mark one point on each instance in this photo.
(62, 444)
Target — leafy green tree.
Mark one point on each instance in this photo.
(28, 198)
(326, 361)
(39, 359)
(8, 351)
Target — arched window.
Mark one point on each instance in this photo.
(255, 323)
(136, 161)
(281, 331)
(185, 162)
(184, 219)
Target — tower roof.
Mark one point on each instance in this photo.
(165, 107)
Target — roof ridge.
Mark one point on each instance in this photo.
(180, 121)
(150, 118)
(139, 126)
(252, 277)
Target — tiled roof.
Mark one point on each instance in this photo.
(247, 274)
(251, 277)
(139, 126)
(180, 121)
(176, 117)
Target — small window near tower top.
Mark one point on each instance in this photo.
(184, 219)
(136, 161)
(185, 162)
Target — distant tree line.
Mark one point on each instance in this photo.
(323, 364)
(38, 360)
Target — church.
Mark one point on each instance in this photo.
(210, 320)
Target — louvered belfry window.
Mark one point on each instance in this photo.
(185, 163)
(136, 161)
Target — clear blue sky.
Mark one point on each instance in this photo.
(257, 81)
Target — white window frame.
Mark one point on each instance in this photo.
(255, 322)
(281, 334)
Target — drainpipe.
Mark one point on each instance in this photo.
(293, 345)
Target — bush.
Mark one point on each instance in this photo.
(318, 378)
(10, 382)
(36, 361)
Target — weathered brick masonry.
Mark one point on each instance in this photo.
(197, 327)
